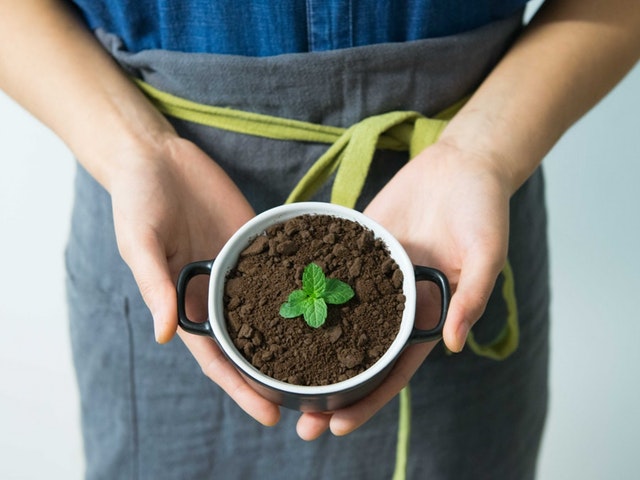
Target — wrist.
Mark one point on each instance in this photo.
(130, 134)
(472, 137)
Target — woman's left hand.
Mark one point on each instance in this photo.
(450, 210)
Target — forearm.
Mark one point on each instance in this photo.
(568, 58)
(53, 66)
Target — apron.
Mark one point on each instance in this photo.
(147, 410)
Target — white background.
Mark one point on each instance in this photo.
(593, 180)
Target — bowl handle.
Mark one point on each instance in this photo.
(186, 274)
(439, 278)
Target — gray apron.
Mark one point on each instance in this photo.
(147, 410)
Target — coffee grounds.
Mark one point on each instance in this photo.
(355, 335)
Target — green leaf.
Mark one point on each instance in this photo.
(313, 281)
(316, 312)
(317, 291)
(295, 304)
(337, 292)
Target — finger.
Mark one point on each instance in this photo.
(347, 420)
(311, 425)
(215, 366)
(477, 279)
(147, 260)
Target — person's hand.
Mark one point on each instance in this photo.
(172, 206)
(450, 210)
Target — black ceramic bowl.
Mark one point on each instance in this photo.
(309, 398)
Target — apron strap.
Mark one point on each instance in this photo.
(349, 157)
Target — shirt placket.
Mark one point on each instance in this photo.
(329, 24)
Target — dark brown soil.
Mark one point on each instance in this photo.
(355, 334)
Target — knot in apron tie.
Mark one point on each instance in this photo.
(350, 156)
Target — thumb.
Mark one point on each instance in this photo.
(148, 263)
(477, 279)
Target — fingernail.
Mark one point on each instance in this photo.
(463, 333)
(459, 339)
(157, 330)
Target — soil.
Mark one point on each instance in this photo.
(355, 335)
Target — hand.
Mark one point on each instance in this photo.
(172, 206)
(450, 210)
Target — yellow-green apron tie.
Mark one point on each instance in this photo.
(351, 149)
(349, 157)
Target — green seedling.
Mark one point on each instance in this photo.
(317, 291)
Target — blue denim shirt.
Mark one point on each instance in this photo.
(267, 27)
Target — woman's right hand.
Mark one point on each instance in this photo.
(172, 205)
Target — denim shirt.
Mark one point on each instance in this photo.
(267, 27)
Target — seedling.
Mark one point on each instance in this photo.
(317, 291)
